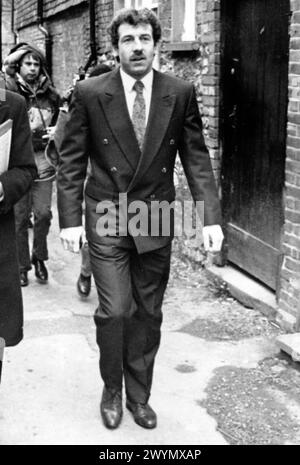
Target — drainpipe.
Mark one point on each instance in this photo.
(15, 34)
(44, 30)
(0, 34)
(93, 46)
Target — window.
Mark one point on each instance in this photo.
(136, 4)
(183, 37)
(183, 20)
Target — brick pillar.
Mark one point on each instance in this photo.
(209, 27)
(289, 296)
(105, 14)
(7, 35)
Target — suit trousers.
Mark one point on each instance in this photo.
(128, 320)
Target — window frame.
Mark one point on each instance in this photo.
(119, 4)
(177, 43)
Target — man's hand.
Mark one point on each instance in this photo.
(50, 133)
(213, 238)
(70, 238)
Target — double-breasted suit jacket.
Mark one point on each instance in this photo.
(100, 128)
(16, 181)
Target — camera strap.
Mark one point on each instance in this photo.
(40, 112)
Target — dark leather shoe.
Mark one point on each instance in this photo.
(23, 278)
(84, 285)
(111, 408)
(143, 414)
(40, 270)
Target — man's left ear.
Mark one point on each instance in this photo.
(116, 55)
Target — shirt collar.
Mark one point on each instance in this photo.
(129, 81)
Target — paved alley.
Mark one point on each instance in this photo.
(211, 349)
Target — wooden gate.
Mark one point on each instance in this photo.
(255, 44)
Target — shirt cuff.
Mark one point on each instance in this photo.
(1, 192)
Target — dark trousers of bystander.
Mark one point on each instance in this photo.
(38, 202)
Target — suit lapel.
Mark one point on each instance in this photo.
(161, 109)
(114, 105)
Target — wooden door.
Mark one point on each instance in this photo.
(255, 43)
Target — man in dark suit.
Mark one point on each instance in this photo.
(131, 123)
(14, 183)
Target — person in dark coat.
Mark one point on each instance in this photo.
(14, 183)
(26, 74)
(84, 280)
(131, 123)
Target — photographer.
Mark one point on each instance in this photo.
(26, 74)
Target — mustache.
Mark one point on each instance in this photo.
(137, 55)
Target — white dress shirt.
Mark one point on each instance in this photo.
(128, 83)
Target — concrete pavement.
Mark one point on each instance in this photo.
(51, 388)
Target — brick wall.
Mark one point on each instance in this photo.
(26, 10)
(104, 16)
(70, 36)
(68, 24)
(32, 35)
(69, 32)
(70, 50)
(202, 68)
(289, 298)
(209, 26)
(7, 35)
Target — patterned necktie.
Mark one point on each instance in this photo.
(139, 113)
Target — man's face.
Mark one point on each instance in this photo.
(136, 49)
(30, 69)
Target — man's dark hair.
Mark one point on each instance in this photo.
(99, 69)
(134, 18)
(33, 55)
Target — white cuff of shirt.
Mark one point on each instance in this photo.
(1, 192)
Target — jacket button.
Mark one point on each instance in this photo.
(105, 141)
(164, 170)
(113, 169)
(172, 141)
